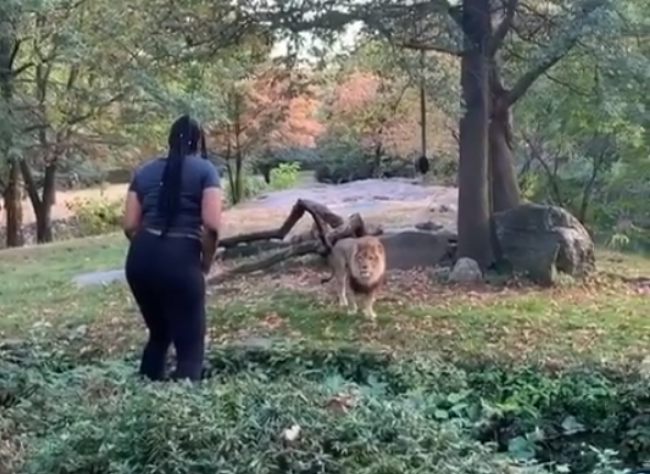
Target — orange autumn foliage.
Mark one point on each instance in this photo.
(270, 109)
(274, 108)
(372, 108)
(385, 113)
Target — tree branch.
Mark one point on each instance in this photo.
(528, 79)
(504, 27)
(430, 47)
(30, 184)
(306, 244)
(298, 210)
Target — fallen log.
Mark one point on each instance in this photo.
(354, 227)
(293, 251)
(250, 250)
(301, 206)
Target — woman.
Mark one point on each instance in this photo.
(170, 204)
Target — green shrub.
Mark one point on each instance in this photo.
(96, 216)
(237, 426)
(285, 176)
(444, 169)
(404, 415)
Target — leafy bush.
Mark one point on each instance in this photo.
(272, 158)
(96, 216)
(237, 427)
(285, 176)
(357, 410)
(338, 169)
(344, 159)
(445, 168)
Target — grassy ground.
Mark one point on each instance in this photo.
(605, 318)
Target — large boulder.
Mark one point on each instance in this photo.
(539, 240)
(408, 249)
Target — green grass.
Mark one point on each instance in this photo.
(72, 384)
(605, 318)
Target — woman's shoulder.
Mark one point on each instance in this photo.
(148, 163)
(201, 164)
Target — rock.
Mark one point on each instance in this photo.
(99, 278)
(12, 344)
(255, 342)
(428, 225)
(410, 249)
(539, 240)
(466, 270)
(441, 208)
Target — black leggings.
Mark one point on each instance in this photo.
(165, 276)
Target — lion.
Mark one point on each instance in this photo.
(360, 264)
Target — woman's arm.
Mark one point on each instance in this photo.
(211, 209)
(132, 211)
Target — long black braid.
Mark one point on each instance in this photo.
(204, 148)
(185, 138)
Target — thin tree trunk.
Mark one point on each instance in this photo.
(13, 207)
(504, 186)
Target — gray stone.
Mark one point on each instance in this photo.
(466, 270)
(408, 249)
(428, 225)
(12, 344)
(538, 240)
(442, 208)
(255, 342)
(99, 278)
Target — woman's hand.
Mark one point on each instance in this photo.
(209, 244)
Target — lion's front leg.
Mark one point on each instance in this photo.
(352, 309)
(341, 285)
(367, 306)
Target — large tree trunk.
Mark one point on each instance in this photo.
(473, 201)
(504, 187)
(13, 207)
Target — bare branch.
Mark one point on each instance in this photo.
(504, 27)
(430, 47)
(528, 79)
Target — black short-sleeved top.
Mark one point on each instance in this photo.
(198, 174)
